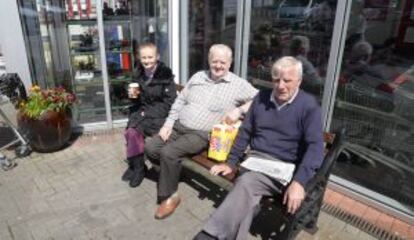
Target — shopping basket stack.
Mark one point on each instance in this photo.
(12, 91)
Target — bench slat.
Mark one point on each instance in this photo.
(203, 160)
(207, 163)
(204, 172)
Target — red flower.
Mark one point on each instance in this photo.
(70, 98)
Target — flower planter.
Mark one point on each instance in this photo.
(48, 133)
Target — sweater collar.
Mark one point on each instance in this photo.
(280, 106)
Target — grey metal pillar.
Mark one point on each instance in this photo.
(104, 69)
(335, 61)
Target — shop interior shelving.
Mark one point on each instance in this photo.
(86, 61)
(119, 59)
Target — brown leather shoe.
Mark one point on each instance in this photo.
(167, 207)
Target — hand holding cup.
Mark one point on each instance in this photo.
(133, 90)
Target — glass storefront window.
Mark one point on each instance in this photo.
(85, 59)
(300, 28)
(209, 22)
(64, 48)
(86, 70)
(150, 24)
(46, 42)
(375, 100)
(119, 53)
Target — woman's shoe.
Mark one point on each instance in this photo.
(127, 174)
(139, 170)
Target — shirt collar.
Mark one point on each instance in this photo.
(273, 100)
(226, 78)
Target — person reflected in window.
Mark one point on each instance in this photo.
(107, 11)
(156, 94)
(299, 48)
(285, 124)
(357, 24)
(358, 68)
(122, 8)
(321, 17)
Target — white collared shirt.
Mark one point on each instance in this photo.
(225, 78)
(203, 102)
(278, 106)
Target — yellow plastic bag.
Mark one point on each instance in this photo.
(222, 138)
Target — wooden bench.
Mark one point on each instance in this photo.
(307, 215)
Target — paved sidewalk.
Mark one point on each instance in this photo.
(77, 193)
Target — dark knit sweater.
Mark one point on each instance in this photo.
(292, 134)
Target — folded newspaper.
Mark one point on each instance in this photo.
(270, 166)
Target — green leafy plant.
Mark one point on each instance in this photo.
(40, 101)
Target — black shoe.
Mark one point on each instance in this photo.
(129, 171)
(139, 169)
(127, 174)
(137, 177)
(204, 236)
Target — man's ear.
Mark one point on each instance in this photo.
(158, 56)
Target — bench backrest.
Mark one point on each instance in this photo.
(332, 149)
(333, 143)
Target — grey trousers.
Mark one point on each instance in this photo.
(182, 142)
(234, 216)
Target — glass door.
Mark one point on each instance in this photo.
(119, 53)
(150, 24)
(46, 42)
(83, 37)
(209, 22)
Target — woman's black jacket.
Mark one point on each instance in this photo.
(149, 111)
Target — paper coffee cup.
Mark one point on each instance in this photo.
(133, 90)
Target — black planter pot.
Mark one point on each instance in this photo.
(47, 134)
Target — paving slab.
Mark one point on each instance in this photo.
(77, 193)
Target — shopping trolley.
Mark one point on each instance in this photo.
(12, 91)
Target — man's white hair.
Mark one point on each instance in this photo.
(285, 63)
(220, 47)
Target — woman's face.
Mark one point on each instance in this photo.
(148, 57)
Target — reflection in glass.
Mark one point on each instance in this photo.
(209, 22)
(119, 53)
(142, 21)
(150, 24)
(46, 42)
(297, 28)
(375, 103)
(80, 9)
(86, 70)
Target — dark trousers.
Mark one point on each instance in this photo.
(234, 216)
(182, 142)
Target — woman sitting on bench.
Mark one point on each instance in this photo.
(152, 92)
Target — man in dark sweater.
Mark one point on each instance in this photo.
(284, 123)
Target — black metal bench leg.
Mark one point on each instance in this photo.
(289, 232)
(312, 226)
